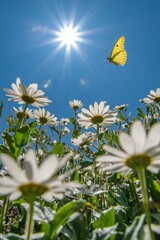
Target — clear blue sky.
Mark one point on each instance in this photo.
(27, 50)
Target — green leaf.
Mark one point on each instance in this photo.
(135, 230)
(154, 187)
(14, 150)
(140, 113)
(79, 229)
(119, 196)
(61, 217)
(58, 149)
(75, 176)
(3, 149)
(8, 138)
(105, 233)
(32, 125)
(121, 117)
(12, 236)
(107, 219)
(86, 163)
(72, 120)
(21, 136)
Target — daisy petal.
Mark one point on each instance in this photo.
(153, 138)
(13, 168)
(127, 143)
(15, 195)
(114, 151)
(48, 168)
(138, 134)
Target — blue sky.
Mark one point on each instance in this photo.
(28, 51)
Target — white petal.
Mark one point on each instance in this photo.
(13, 168)
(96, 108)
(48, 168)
(91, 109)
(115, 151)
(31, 165)
(48, 196)
(127, 143)
(101, 108)
(153, 138)
(109, 159)
(65, 158)
(152, 169)
(15, 195)
(114, 167)
(6, 190)
(153, 93)
(54, 183)
(138, 134)
(8, 182)
(156, 164)
(86, 113)
(58, 195)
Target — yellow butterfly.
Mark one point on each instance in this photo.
(118, 55)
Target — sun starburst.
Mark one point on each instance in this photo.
(68, 35)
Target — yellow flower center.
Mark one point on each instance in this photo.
(27, 99)
(21, 115)
(43, 120)
(76, 107)
(157, 99)
(33, 190)
(138, 161)
(97, 119)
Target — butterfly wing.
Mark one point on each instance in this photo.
(119, 58)
(118, 54)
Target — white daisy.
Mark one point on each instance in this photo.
(138, 150)
(65, 131)
(20, 112)
(84, 139)
(120, 107)
(75, 104)
(29, 95)
(154, 96)
(35, 181)
(44, 117)
(99, 114)
(64, 121)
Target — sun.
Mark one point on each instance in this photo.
(68, 36)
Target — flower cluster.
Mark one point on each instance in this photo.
(99, 174)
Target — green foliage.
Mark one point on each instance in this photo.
(108, 206)
(107, 219)
(58, 149)
(60, 218)
(105, 233)
(21, 136)
(135, 231)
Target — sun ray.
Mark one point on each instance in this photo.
(66, 37)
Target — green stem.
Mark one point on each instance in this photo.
(4, 210)
(98, 135)
(29, 223)
(23, 116)
(142, 177)
(133, 191)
